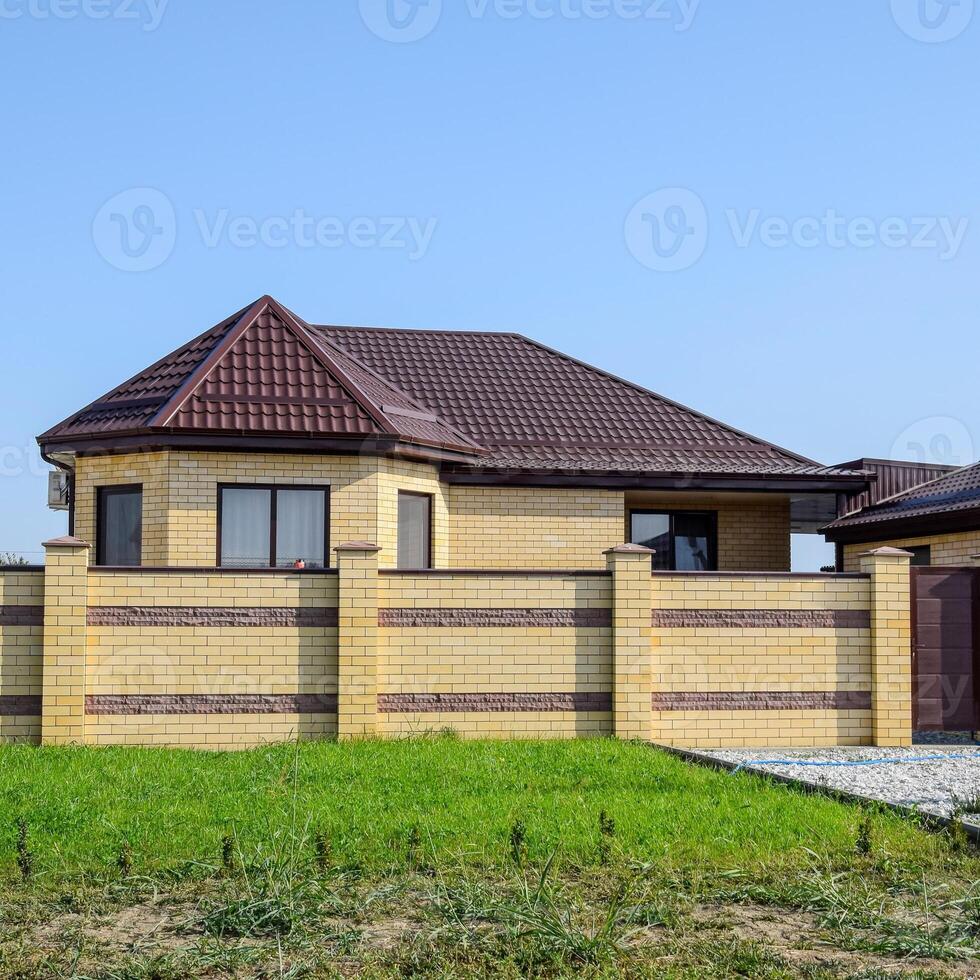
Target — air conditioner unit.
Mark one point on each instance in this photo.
(58, 493)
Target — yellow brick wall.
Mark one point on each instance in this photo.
(501, 659)
(393, 476)
(149, 469)
(947, 549)
(218, 660)
(473, 527)
(20, 653)
(761, 659)
(520, 527)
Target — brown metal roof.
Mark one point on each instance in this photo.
(955, 496)
(892, 477)
(538, 409)
(493, 401)
(262, 372)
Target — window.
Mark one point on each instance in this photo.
(921, 554)
(273, 527)
(414, 530)
(684, 541)
(119, 527)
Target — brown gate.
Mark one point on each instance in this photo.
(945, 620)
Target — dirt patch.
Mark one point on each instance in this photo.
(142, 927)
(798, 938)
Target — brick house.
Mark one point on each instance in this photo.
(448, 449)
(286, 530)
(937, 520)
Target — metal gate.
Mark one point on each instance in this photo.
(945, 621)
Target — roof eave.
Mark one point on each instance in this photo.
(904, 526)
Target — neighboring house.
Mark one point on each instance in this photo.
(267, 441)
(938, 521)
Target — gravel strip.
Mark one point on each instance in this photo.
(936, 787)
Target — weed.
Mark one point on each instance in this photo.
(124, 859)
(540, 914)
(518, 843)
(228, 853)
(607, 831)
(414, 847)
(322, 850)
(863, 843)
(25, 858)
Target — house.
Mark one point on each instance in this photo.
(938, 524)
(937, 520)
(284, 530)
(447, 449)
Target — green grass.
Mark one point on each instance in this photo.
(440, 858)
(461, 799)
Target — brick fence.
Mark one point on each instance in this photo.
(225, 658)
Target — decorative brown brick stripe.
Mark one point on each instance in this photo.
(449, 618)
(211, 704)
(12, 705)
(853, 619)
(764, 701)
(401, 704)
(235, 616)
(21, 615)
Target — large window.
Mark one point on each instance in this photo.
(414, 530)
(119, 526)
(273, 527)
(684, 540)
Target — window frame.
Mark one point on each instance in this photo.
(274, 489)
(919, 551)
(101, 494)
(712, 516)
(430, 499)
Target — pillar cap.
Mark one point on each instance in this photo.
(66, 542)
(887, 553)
(367, 547)
(630, 549)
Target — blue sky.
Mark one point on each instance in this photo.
(765, 210)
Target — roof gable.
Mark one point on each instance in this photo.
(262, 372)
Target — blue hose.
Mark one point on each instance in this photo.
(859, 762)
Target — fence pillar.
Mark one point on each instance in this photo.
(891, 645)
(65, 641)
(357, 640)
(632, 637)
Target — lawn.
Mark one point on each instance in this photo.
(435, 857)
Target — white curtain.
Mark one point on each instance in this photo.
(300, 528)
(245, 528)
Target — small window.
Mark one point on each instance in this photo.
(921, 554)
(119, 532)
(273, 527)
(414, 530)
(684, 541)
